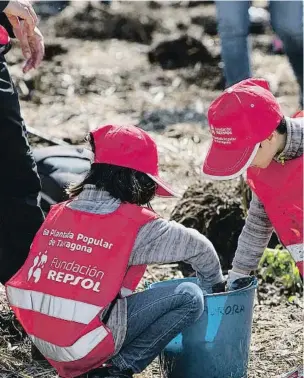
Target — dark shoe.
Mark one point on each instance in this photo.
(108, 373)
(36, 355)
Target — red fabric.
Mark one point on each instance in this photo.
(90, 362)
(4, 37)
(300, 267)
(130, 147)
(240, 118)
(280, 189)
(70, 269)
(299, 114)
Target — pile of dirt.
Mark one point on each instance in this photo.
(100, 22)
(180, 52)
(216, 210)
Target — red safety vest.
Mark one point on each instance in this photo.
(77, 265)
(280, 189)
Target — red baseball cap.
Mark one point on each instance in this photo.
(4, 37)
(130, 147)
(239, 120)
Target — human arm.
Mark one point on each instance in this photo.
(162, 241)
(20, 20)
(252, 241)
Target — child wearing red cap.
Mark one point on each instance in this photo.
(73, 295)
(251, 135)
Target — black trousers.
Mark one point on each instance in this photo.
(20, 214)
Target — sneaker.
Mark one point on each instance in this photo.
(297, 373)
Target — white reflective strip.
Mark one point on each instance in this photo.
(296, 251)
(60, 308)
(124, 292)
(78, 350)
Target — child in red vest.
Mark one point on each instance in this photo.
(72, 295)
(251, 135)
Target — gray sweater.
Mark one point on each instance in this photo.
(258, 229)
(158, 241)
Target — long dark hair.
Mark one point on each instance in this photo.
(282, 127)
(125, 184)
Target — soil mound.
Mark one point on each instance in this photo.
(100, 22)
(180, 52)
(214, 209)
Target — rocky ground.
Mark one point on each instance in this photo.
(157, 65)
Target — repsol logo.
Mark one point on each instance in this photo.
(71, 279)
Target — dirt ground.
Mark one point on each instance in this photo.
(107, 77)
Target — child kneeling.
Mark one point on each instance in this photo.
(73, 296)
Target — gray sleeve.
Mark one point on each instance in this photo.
(254, 237)
(162, 241)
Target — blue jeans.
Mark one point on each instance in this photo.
(233, 27)
(155, 317)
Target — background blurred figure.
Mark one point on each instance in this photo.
(20, 214)
(233, 25)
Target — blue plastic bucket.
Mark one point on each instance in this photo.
(217, 345)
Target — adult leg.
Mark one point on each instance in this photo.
(233, 28)
(287, 22)
(20, 214)
(155, 317)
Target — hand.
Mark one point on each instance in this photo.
(32, 45)
(21, 9)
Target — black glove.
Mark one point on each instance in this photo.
(240, 283)
(219, 287)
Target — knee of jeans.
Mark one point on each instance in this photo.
(192, 291)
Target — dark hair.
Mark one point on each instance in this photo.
(282, 128)
(126, 184)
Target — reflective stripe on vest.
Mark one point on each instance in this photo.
(82, 347)
(60, 308)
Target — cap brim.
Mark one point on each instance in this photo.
(227, 164)
(163, 189)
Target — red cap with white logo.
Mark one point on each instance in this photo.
(131, 147)
(239, 119)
